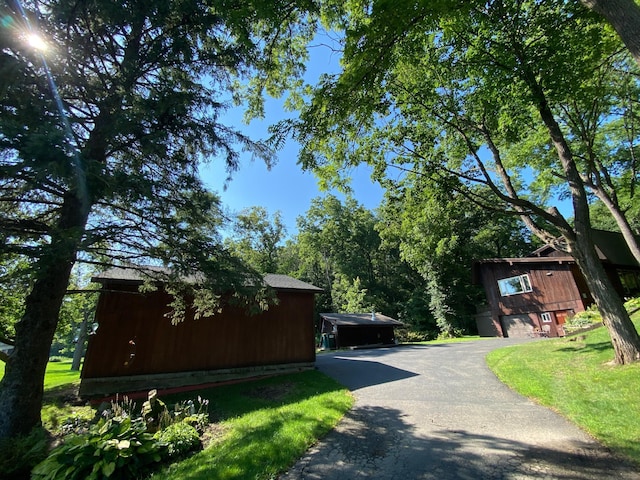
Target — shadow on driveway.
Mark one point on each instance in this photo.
(356, 374)
(376, 442)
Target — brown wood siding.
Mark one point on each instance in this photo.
(283, 334)
(554, 288)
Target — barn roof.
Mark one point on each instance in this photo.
(285, 282)
(359, 319)
(139, 274)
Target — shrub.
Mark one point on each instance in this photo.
(180, 438)
(409, 336)
(18, 455)
(193, 413)
(632, 305)
(584, 319)
(118, 448)
(120, 444)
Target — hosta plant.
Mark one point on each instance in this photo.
(116, 448)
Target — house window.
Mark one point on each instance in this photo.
(545, 317)
(514, 285)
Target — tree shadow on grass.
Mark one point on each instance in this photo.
(263, 441)
(586, 347)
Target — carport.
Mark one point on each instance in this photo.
(341, 330)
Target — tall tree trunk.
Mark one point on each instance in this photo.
(624, 17)
(624, 337)
(621, 221)
(78, 352)
(21, 387)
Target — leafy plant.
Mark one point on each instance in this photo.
(180, 438)
(19, 455)
(117, 448)
(584, 319)
(410, 336)
(192, 413)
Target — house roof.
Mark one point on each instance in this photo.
(359, 319)
(610, 246)
(139, 274)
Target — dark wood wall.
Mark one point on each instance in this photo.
(135, 338)
(554, 288)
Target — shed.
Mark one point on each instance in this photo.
(535, 295)
(136, 348)
(358, 329)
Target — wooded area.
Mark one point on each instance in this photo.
(487, 113)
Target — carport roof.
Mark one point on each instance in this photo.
(359, 319)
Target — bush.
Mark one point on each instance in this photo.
(19, 455)
(632, 305)
(120, 441)
(192, 413)
(584, 319)
(411, 336)
(180, 438)
(118, 448)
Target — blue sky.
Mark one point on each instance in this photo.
(284, 188)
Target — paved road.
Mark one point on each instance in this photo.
(437, 412)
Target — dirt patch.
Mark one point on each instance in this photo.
(66, 394)
(212, 433)
(274, 393)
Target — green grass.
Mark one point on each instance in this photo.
(262, 427)
(575, 376)
(58, 374)
(267, 426)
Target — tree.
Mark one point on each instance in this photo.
(14, 282)
(100, 144)
(601, 120)
(348, 296)
(458, 90)
(441, 233)
(338, 239)
(257, 238)
(602, 219)
(340, 249)
(624, 17)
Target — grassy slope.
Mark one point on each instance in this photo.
(267, 426)
(575, 377)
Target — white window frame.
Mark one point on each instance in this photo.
(507, 285)
(546, 317)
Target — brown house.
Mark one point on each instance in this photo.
(339, 330)
(136, 348)
(535, 295)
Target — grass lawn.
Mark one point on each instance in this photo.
(259, 428)
(58, 374)
(264, 427)
(574, 376)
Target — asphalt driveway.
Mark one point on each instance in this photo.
(437, 412)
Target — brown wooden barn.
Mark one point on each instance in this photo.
(136, 348)
(340, 330)
(535, 295)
